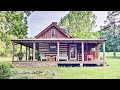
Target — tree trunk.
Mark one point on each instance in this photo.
(114, 53)
(114, 49)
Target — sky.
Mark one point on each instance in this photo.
(39, 20)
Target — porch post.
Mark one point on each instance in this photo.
(13, 51)
(33, 50)
(26, 53)
(29, 53)
(82, 51)
(82, 54)
(57, 51)
(98, 53)
(104, 53)
(20, 47)
(32, 53)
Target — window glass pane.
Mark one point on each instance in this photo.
(53, 33)
(53, 47)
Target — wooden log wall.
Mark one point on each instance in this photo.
(88, 51)
(47, 34)
(79, 50)
(44, 48)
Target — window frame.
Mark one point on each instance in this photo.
(52, 33)
(52, 50)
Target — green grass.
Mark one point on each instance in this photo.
(6, 60)
(109, 55)
(108, 72)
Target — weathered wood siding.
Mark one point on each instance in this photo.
(88, 51)
(47, 34)
(64, 47)
(44, 48)
(79, 53)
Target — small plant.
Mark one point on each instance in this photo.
(20, 55)
(5, 71)
(30, 57)
(37, 56)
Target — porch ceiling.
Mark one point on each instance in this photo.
(29, 42)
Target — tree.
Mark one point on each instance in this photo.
(13, 24)
(79, 24)
(112, 31)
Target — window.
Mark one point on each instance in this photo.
(53, 47)
(52, 33)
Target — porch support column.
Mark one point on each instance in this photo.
(82, 54)
(33, 50)
(20, 47)
(13, 44)
(82, 51)
(26, 53)
(38, 52)
(32, 54)
(29, 54)
(104, 53)
(57, 51)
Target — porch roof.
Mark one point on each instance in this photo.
(59, 39)
(29, 41)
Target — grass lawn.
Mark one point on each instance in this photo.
(108, 72)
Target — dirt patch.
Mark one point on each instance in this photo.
(34, 74)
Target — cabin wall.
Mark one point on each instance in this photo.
(88, 50)
(64, 47)
(79, 52)
(47, 34)
(44, 48)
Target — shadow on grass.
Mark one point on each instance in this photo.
(78, 65)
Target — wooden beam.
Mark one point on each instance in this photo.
(82, 51)
(29, 54)
(33, 50)
(32, 53)
(57, 51)
(20, 47)
(98, 52)
(26, 53)
(104, 53)
(13, 44)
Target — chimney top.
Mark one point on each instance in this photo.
(54, 23)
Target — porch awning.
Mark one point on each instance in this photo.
(29, 42)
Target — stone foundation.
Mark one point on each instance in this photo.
(22, 64)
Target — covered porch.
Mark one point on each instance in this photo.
(82, 49)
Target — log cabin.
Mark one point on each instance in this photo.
(55, 46)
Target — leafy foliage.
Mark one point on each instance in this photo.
(5, 71)
(13, 24)
(111, 32)
(79, 24)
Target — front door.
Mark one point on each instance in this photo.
(73, 52)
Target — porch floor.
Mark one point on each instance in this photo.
(62, 62)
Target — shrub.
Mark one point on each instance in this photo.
(5, 71)
(8, 63)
